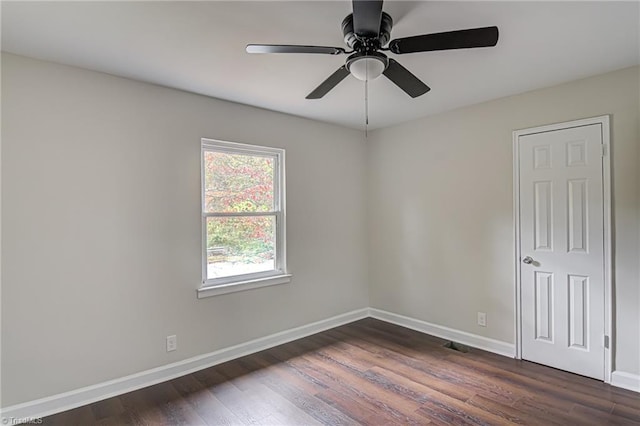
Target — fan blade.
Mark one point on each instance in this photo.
(462, 39)
(405, 80)
(329, 83)
(290, 48)
(366, 17)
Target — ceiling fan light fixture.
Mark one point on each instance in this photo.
(367, 66)
(366, 31)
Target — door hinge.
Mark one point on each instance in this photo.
(606, 342)
(604, 150)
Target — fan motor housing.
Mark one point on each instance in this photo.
(359, 43)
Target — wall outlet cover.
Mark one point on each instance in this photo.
(172, 343)
(482, 319)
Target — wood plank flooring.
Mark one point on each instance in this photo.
(373, 373)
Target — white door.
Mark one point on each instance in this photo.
(562, 249)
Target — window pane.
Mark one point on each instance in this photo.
(238, 183)
(240, 245)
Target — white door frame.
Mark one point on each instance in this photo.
(606, 187)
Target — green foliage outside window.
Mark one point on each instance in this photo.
(237, 183)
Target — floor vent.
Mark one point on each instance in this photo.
(457, 347)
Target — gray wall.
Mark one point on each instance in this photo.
(101, 221)
(440, 197)
(101, 227)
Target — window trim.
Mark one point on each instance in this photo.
(279, 275)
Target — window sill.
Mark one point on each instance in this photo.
(242, 286)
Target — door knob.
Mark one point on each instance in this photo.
(528, 260)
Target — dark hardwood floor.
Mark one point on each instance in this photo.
(367, 372)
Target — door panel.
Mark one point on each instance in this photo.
(561, 229)
(577, 221)
(578, 311)
(544, 306)
(543, 218)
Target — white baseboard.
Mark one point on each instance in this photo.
(87, 395)
(473, 340)
(626, 380)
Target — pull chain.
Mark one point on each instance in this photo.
(366, 104)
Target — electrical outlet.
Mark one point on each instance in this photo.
(482, 319)
(172, 343)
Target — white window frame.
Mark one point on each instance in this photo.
(231, 284)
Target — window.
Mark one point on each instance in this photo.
(243, 221)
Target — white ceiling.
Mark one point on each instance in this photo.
(199, 47)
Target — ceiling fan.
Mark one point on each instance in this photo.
(367, 31)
